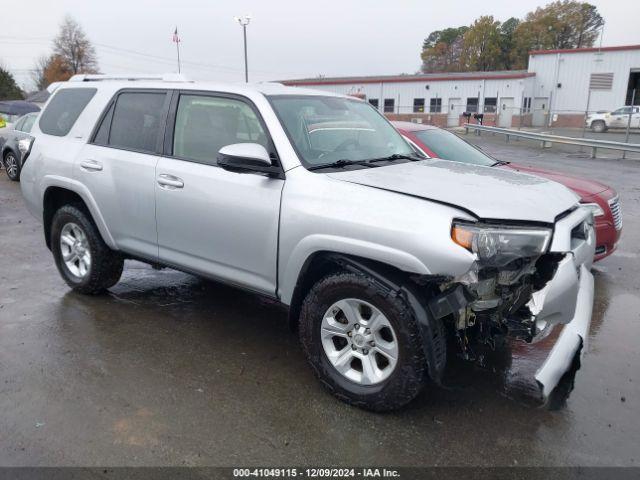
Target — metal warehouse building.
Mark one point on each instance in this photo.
(557, 89)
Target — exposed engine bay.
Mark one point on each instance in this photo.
(506, 295)
(498, 302)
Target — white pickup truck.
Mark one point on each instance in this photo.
(602, 121)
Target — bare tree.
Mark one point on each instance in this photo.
(74, 48)
(38, 74)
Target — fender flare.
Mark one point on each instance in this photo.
(434, 343)
(83, 192)
(317, 243)
(6, 149)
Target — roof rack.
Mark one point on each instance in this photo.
(163, 77)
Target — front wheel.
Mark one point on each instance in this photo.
(598, 126)
(12, 166)
(84, 261)
(363, 342)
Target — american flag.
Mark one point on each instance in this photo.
(176, 38)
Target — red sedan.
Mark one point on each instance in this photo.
(436, 142)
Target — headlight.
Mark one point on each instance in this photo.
(595, 208)
(497, 245)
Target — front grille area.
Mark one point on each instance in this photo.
(614, 204)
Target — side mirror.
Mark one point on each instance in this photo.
(247, 158)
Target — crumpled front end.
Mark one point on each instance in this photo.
(527, 297)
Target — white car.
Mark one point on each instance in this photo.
(602, 121)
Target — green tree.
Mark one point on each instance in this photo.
(481, 45)
(442, 49)
(585, 23)
(560, 24)
(9, 89)
(508, 42)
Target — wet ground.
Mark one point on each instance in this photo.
(168, 369)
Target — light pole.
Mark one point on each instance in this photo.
(244, 21)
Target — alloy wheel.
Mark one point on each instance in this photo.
(76, 253)
(11, 164)
(359, 341)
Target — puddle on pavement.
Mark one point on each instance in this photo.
(508, 370)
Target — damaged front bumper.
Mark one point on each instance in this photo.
(568, 298)
(528, 299)
(572, 339)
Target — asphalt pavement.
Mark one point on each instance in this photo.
(168, 369)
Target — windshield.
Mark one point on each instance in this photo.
(449, 146)
(331, 129)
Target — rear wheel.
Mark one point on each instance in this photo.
(363, 343)
(598, 126)
(85, 262)
(12, 166)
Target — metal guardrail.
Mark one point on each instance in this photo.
(550, 139)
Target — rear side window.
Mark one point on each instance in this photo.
(18, 125)
(64, 109)
(136, 122)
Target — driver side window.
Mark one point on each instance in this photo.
(205, 124)
(623, 111)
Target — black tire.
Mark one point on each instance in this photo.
(9, 159)
(408, 377)
(106, 265)
(598, 126)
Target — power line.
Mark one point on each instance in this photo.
(112, 48)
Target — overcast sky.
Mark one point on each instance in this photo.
(287, 38)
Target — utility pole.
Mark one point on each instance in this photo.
(244, 21)
(586, 113)
(626, 139)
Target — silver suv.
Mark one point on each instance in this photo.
(315, 200)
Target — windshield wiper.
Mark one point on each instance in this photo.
(396, 156)
(366, 163)
(340, 164)
(500, 162)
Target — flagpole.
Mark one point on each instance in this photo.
(178, 50)
(176, 38)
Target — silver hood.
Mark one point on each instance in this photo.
(489, 193)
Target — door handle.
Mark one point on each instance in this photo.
(91, 165)
(169, 181)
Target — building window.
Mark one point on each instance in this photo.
(374, 102)
(526, 107)
(490, 104)
(418, 105)
(389, 105)
(435, 105)
(472, 105)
